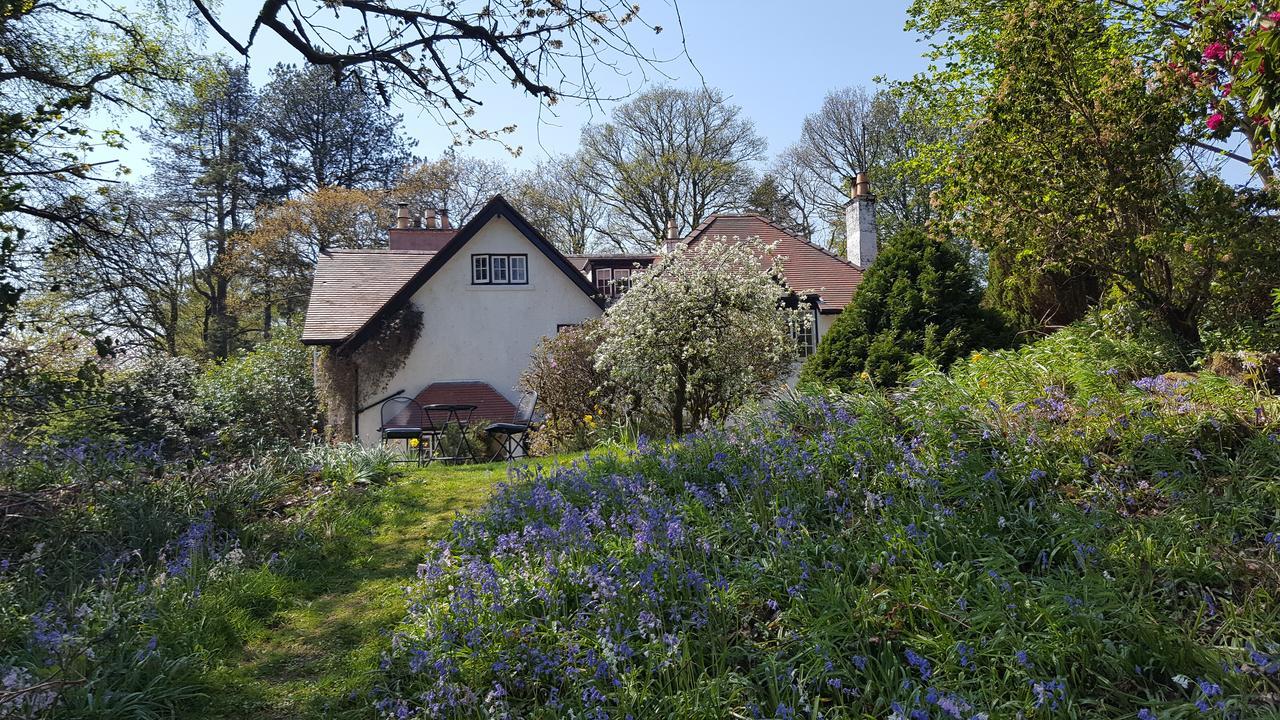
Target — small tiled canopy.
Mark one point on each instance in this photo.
(490, 404)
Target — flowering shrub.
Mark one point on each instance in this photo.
(1225, 55)
(1057, 531)
(573, 395)
(703, 331)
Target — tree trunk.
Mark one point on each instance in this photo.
(171, 329)
(681, 399)
(266, 321)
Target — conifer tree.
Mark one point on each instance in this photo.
(919, 297)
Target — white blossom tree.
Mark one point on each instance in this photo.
(703, 331)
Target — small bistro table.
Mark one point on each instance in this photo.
(458, 414)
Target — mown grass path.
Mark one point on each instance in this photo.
(316, 658)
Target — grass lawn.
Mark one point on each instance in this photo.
(318, 657)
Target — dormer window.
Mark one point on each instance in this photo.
(490, 269)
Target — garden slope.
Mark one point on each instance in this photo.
(1058, 531)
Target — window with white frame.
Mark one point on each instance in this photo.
(621, 281)
(807, 337)
(491, 269)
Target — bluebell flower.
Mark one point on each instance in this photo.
(1048, 693)
(921, 664)
(1021, 657)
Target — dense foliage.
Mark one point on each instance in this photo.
(574, 396)
(1055, 531)
(701, 332)
(1079, 162)
(919, 298)
(261, 399)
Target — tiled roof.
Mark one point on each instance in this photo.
(808, 267)
(351, 286)
(490, 404)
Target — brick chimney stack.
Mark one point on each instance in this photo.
(429, 219)
(402, 216)
(444, 219)
(861, 241)
(672, 240)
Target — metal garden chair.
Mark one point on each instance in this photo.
(513, 435)
(403, 419)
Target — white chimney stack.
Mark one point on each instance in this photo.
(861, 243)
(402, 216)
(672, 240)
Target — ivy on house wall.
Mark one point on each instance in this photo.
(344, 381)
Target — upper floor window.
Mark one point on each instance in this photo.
(491, 269)
(612, 283)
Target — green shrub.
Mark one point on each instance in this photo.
(260, 399)
(574, 396)
(919, 297)
(153, 402)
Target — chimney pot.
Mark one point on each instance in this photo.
(672, 239)
(861, 186)
(444, 218)
(402, 216)
(429, 219)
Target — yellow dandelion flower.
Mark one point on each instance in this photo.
(865, 375)
(413, 442)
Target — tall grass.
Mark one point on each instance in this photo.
(1057, 531)
(125, 578)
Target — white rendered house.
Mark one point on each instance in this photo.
(487, 292)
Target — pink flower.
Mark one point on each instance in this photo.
(1215, 121)
(1274, 17)
(1214, 51)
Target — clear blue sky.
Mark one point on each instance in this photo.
(777, 64)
